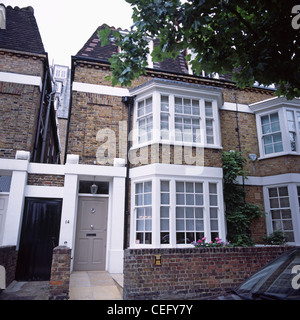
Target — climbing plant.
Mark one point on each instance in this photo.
(239, 213)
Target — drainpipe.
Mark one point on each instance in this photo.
(37, 138)
(237, 129)
(46, 126)
(128, 101)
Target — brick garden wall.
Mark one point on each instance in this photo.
(60, 273)
(8, 259)
(190, 273)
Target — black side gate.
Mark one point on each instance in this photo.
(39, 235)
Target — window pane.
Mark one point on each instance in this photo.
(164, 224)
(284, 202)
(148, 186)
(164, 186)
(179, 225)
(214, 225)
(277, 137)
(164, 238)
(148, 225)
(199, 225)
(265, 120)
(283, 191)
(199, 199)
(275, 127)
(189, 187)
(164, 103)
(165, 198)
(148, 212)
(179, 186)
(139, 213)
(147, 199)
(190, 199)
(138, 199)
(190, 225)
(268, 149)
(198, 187)
(213, 212)
(273, 192)
(213, 188)
(189, 212)
(213, 200)
(140, 225)
(286, 214)
(199, 213)
(274, 203)
(164, 212)
(179, 212)
(275, 214)
(266, 129)
(278, 147)
(274, 117)
(179, 198)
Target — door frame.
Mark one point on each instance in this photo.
(95, 197)
(5, 196)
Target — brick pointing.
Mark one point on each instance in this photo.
(60, 274)
(8, 259)
(191, 273)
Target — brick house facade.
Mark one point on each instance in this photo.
(143, 166)
(173, 177)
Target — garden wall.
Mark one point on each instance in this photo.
(8, 259)
(191, 273)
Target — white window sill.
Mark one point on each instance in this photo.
(279, 154)
(182, 144)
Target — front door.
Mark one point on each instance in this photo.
(39, 235)
(91, 230)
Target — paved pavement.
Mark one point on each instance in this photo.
(84, 285)
(96, 285)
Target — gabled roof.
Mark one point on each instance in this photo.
(93, 49)
(21, 32)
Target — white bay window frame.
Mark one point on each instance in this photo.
(176, 173)
(171, 89)
(284, 108)
(294, 203)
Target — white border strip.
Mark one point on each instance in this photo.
(21, 79)
(99, 89)
(230, 106)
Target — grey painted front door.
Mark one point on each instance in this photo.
(91, 230)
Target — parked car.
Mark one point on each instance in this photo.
(279, 280)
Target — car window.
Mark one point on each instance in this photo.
(276, 278)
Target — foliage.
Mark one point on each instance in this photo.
(239, 213)
(217, 243)
(278, 237)
(255, 39)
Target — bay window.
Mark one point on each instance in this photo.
(143, 212)
(176, 113)
(278, 126)
(169, 211)
(282, 204)
(145, 120)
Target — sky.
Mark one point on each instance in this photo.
(66, 25)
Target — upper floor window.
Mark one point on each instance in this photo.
(271, 133)
(145, 120)
(278, 127)
(177, 115)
